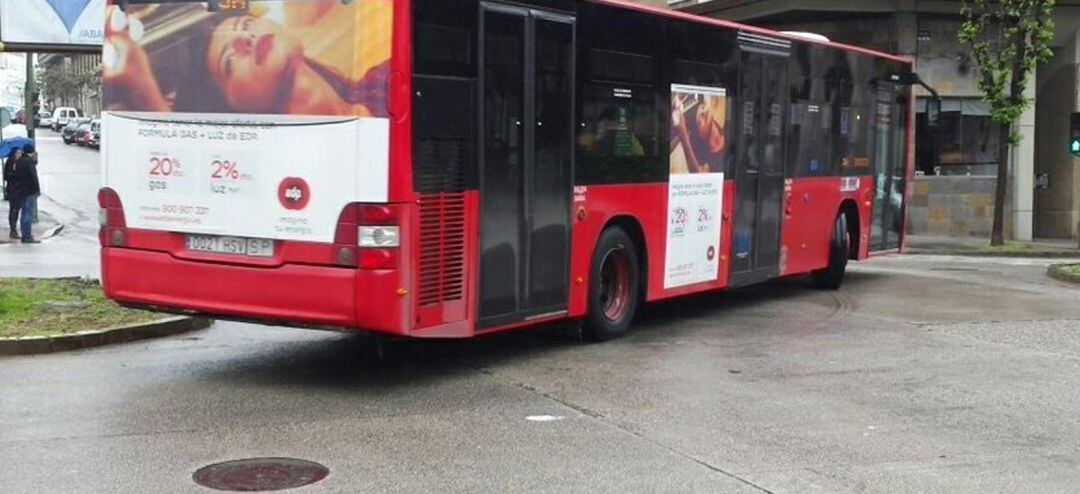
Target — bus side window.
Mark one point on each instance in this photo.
(618, 126)
(839, 91)
(444, 97)
(816, 140)
(444, 39)
(619, 122)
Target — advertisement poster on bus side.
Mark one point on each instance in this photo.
(696, 184)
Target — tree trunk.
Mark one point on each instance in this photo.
(1016, 96)
(997, 234)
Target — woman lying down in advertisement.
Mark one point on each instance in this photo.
(318, 57)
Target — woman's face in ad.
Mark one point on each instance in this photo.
(249, 59)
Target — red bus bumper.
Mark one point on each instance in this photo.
(293, 294)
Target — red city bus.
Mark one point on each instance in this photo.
(449, 168)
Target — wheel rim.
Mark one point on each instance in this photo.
(614, 284)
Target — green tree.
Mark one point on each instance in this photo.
(64, 83)
(1009, 39)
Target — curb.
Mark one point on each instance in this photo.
(1035, 254)
(1057, 272)
(87, 339)
(50, 232)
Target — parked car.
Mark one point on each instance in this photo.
(94, 140)
(71, 128)
(63, 116)
(46, 119)
(20, 117)
(82, 134)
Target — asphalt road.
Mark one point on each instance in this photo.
(923, 374)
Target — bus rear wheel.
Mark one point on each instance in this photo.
(614, 286)
(832, 276)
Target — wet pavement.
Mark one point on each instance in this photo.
(923, 374)
(70, 177)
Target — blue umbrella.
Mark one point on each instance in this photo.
(7, 146)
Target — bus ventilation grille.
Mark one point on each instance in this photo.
(442, 248)
(439, 165)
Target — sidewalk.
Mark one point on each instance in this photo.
(46, 226)
(967, 246)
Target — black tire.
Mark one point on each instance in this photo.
(832, 277)
(614, 286)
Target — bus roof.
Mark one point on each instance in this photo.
(735, 25)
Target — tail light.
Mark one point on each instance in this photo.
(368, 236)
(113, 232)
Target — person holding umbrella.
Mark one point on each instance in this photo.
(27, 188)
(14, 204)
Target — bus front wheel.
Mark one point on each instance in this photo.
(832, 276)
(614, 286)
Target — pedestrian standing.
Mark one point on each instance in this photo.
(27, 189)
(14, 206)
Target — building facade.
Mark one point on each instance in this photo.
(12, 79)
(85, 67)
(1044, 199)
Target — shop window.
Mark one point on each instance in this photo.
(965, 142)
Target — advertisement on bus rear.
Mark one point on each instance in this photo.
(259, 119)
(696, 184)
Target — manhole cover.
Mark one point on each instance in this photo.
(260, 474)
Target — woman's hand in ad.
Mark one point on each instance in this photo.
(125, 66)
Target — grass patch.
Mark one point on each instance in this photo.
(1071, 269)
(1008, 247)
(50, 307)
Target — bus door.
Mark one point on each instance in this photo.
(759, 165)
(526, 77)
(890, 147)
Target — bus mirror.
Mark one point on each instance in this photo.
(933, 112)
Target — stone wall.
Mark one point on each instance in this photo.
(1057, 208)
(951, 206)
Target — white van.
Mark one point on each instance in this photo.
(63, 115)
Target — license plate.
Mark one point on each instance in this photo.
(254, 247)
